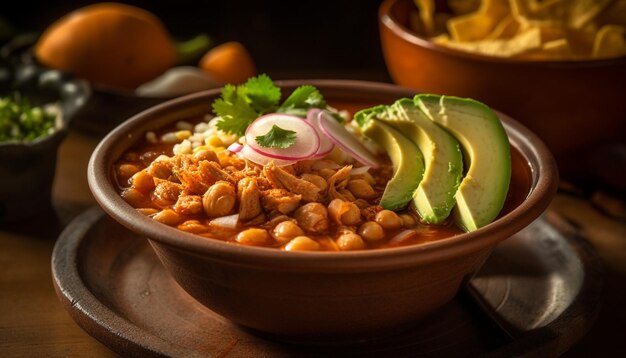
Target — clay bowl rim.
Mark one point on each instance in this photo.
(386, 19)
(535, 153)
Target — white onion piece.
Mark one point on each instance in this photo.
(227, 222)
(325, 164)
(346, 140)
(235, 147)
(307, 140)
(359, 170)
(326, 146)
(258, 158)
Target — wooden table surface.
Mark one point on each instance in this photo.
(34, 324)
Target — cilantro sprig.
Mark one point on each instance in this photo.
(277, 138)
(240, 105)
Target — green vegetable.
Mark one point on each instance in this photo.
(277, 138)
(301, 100)
(19, 121)
(240, 105)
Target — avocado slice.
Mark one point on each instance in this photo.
(406, 159)
(443, 161)
(482, 192)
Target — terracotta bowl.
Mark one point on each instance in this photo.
(323, 296)
(571, 105)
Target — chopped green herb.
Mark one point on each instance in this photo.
(263, 94)
(241, 105)
(301, 100)
(20, 121)
(234, 110)
(277, 138)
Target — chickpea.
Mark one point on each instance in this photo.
(193, 226)
(348, 242)
(286, 230)
(219, 199)
(253, 236)
(317, 180)
(388, 219)
(125, 171)
(205, 154)
(408, 220)
(302, 243)
(167, 217)
(344, 213)
(312, 217)
(361, 189)
(371, 231)
(134, 197)
(326, 173)
(143, 181)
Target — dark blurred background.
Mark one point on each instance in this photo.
(287, 39)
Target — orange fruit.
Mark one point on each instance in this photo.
(228, 63)
(109, 44)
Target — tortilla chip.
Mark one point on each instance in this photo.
(477, 25)
(427, 14)
(610, 42)
(582, 12)
(506, 28)
(521, 43)
(462, 7)
(532, 12)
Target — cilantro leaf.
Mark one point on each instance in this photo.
(301, 100)
(277, 138)
(234, 110)
(262, 93)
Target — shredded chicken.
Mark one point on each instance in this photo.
(213, 171)
(280, 200)
(249, 198)
(281, 179)
(338, 181)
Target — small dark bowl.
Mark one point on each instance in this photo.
(27, 168)
(319, 296)
(572, 105)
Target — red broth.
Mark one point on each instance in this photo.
(412, 232)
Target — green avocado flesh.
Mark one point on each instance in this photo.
(482, 192)
(406, 159)
(443, 162)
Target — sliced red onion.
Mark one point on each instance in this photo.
(235, 147)
(227, 222)
(402, 236)
(307, 140)
(359, 170)
(256, 157)
(346, 140)
(326, 146)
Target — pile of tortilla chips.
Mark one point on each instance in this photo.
(527, 29)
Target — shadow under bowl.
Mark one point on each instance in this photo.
(571, 105)
(318, 296)
(27, 169)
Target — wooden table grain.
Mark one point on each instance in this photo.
(34, 324)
